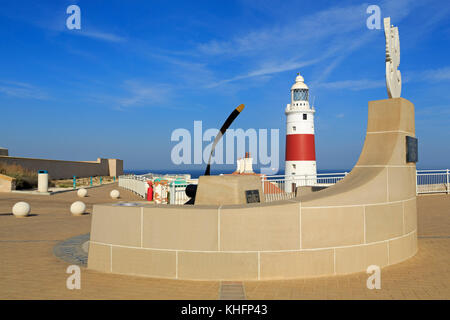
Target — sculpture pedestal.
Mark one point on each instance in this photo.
(227, 189)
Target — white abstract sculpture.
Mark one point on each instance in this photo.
(393, 75)
(77, 208)
(82, 193)
(21, 209)
(115, 194)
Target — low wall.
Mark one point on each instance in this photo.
(60, 169)
(269, 241)
(367, 218)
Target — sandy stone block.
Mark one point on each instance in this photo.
(331, 227)
(288, 265)
(116, 225)
(410, 215)
(144, 262)
(214, 266)
(99, 257)
(400, 111)
(180, 228)
(361, 186)
(358, 258)
(385, 148)
(226, 189)
(402, 248)
(384, 221)
(274, 227)
(401, 183)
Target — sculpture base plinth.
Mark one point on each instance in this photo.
(227, 189)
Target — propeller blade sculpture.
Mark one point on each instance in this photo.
(191, 189)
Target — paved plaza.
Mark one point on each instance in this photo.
(30, 270)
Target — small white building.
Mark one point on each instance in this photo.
(245, 165)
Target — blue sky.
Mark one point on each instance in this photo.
(137, 70)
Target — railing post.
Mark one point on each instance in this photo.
(448, 185)
(172, 194)
(417, 185)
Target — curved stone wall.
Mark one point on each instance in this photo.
(369, 217)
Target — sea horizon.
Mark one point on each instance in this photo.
(195, 173)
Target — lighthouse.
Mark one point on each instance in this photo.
(300, 168)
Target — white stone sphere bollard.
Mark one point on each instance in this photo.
(77, 208)
(82, 193)
(21, 209)
(115, 194)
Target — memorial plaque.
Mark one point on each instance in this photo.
(411, 149)
(252, 196)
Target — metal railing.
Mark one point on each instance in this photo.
(177, 193)
(275, 188)
(136, 184)
(433, 181)
(282, 187)
(171, 193)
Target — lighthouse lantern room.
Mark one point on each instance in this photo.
(300, 166)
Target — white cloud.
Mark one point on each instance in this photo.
(134, 94)
(298, 33)
(354, 85)
(99, 35)
(266, 70)
(332, 33)
(22, 90)
(432, 75)
(441, 74)
(338, 31)
(143, 94)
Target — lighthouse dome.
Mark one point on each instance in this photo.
(299, 83)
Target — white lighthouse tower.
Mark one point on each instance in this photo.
(300, 159)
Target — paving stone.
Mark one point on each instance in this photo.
(31, 269)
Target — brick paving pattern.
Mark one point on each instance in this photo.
(30, 270)
(73, 250)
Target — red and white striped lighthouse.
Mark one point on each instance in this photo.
(300, 147)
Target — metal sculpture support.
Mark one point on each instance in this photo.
(191, 189)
